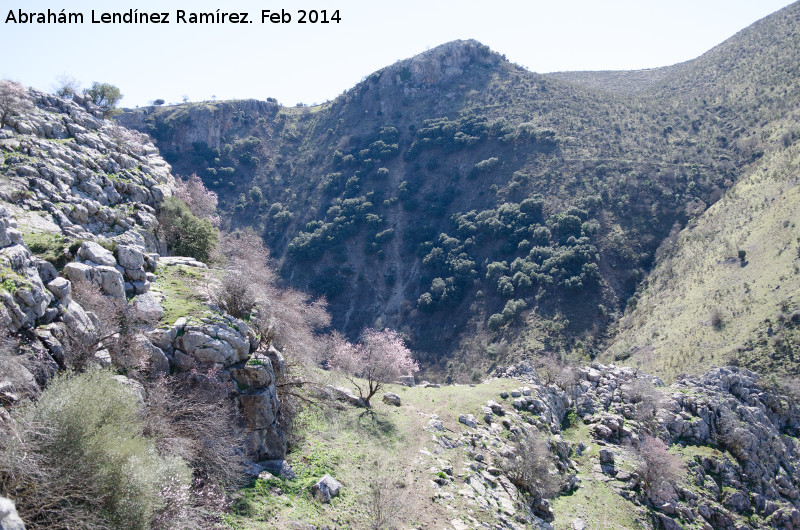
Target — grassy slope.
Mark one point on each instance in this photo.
(670, 331)
(348, 444)
(596, 503)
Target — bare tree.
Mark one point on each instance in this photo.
(658, 469)
(286, 318)
(67, 86)
(530, 466)
(14, 100)
(115, 327)
(552, 370)
(385, 499)
(646, 399)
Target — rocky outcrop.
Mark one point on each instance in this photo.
(83, 174)
(89, 190)
(203, 124)
(226, 345)
(25, 299)
(438, 65)
(737, 437)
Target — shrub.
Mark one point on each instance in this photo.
(66, 86)
(385, 501)
(647, 399)
(529, 465)
(716, 319)
(256, 195)
(657, 469)
(484, 166)
(495, 322)
(552, 370)
(505, 287)
(79, 459)
(186, 418)
(184, 232)
(105, 96)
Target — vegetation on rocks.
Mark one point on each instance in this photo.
(181, 352)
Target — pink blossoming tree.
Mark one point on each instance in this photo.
(379, 357)
(201, 201)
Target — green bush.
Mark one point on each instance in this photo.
(82, 459)
(185, 233)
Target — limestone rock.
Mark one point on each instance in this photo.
(468, 420)
(327, 488)
(130, 257)
(94, 252)
(252, 376)
(391, 398)
(278, 468)
(107, 278)
(344, 394)
(9, 519)
(259, 409)
(147, 307)
(61, 288)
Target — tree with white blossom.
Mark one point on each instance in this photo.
(14, 100)
(379, 357)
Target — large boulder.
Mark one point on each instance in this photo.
(107, 278)
(390, 398)
(148, 308)
(96, 253)
(327, 488)
(9, 519)
(214, 341)
(468, 420)
(130, 257)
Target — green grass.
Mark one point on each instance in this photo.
(181, 286)
(48, 246)
(10, 281)
(355, 444)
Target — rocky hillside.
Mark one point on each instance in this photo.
(475, 205)
(80, 199)
(577, 452)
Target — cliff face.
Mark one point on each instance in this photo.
(79, 200)
(204, 124)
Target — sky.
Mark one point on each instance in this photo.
(312, 63)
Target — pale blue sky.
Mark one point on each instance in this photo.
(312, 63)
